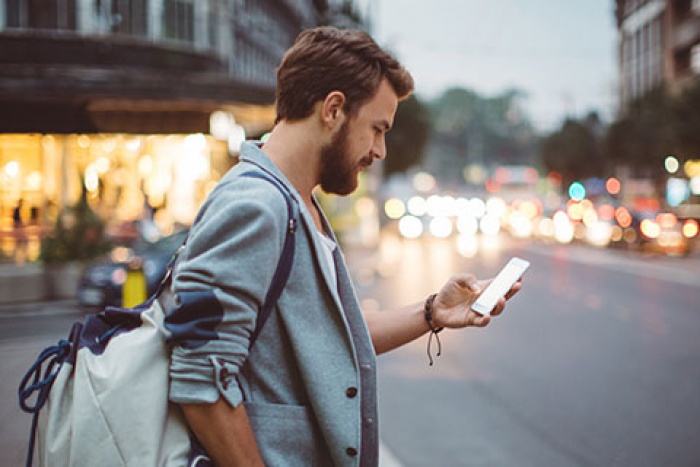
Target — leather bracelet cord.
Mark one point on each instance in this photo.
(428, 313)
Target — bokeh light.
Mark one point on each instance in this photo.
(623, 217)
(417, 206)
(563, 228)
(690, 228)
(440, 227)
(394, 208)
(650, 228)
(613, 185)
(467, 226)
(424, 182)
(490, 225)
(410, 227)
(599, 234)
(577, 191)
(671, 164)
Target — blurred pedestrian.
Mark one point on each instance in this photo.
(306, 393)
(19, 233)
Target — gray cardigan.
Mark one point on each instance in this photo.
(309, 383)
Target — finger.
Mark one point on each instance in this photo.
(483, 321)
(478, 320)
(500, 306)
(515, 289)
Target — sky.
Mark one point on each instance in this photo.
(562, 53)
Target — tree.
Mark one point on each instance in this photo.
(574, 150)
(646, 134)
(79, 235)
(472, 129)
(686, 110)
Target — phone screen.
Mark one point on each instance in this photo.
(500, 285)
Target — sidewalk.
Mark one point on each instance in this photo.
(20, 284)
(683, 270)
(41, 308)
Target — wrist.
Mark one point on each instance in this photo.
(429, 315)
(434, 330)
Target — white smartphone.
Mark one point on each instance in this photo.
(500, 285)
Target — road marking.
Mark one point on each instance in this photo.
(386, 457)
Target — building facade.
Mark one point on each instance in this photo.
(136, 104)
(658, 45)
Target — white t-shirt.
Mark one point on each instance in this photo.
(328, 247)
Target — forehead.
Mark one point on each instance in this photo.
(382, 106)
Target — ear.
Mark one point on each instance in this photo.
(332, 108)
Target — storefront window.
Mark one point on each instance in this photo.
(126, 179)
(21, 196)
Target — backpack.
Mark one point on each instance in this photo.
(101, 394)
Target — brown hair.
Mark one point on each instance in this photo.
(327, 59)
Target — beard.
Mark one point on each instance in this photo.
(339, 171)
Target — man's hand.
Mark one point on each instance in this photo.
(452, 306)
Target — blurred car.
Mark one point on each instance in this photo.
(651, 232)
(663, 234)
(101, 283)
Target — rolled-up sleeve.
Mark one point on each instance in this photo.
(220, 283)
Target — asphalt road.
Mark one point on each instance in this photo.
(595, 362)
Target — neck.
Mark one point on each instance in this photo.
(296, 154)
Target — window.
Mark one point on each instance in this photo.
(179, 20)
(41, 14)
(217, 15)
(129, 17)
(695, 59)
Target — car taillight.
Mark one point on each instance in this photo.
(666, 220)
(650, 228)
(690, 228)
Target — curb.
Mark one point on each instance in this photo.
(42, 308)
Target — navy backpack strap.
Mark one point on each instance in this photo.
(284, 266)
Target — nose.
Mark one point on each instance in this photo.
(379, 148)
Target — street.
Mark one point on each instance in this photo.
(594, 363)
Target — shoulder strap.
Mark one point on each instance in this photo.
(284, 265)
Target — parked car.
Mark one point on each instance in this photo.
(102, 281)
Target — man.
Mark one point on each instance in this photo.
(305, 394)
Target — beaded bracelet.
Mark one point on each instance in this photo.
(428, 313)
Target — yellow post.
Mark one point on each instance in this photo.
(134, 289)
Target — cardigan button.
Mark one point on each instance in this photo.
(352, 452)
(351, 392)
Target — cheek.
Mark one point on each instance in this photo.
(365, 143)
